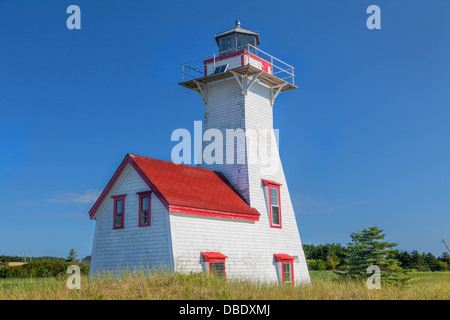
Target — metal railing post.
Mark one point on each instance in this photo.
(271, 64)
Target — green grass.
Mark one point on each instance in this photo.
(323, 275)
(160, 286)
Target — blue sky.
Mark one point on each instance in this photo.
(364, 141)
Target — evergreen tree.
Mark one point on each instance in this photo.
(443, 262)
(367, 249)
(72, 255)
(309, 250)
(418, 261)
(430, 261)
(441, 266)
(445, 257)
(405, 259)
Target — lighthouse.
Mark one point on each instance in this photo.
(230, 215)
(239, 85)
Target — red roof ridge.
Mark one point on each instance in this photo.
(173, 163)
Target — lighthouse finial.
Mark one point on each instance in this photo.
(238, 23)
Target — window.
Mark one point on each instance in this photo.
(285, 268)
(287, 272)
(144, 208)
(275, 205)
(217, 269)
(273, 196)
(119, 211)
(214, 263)
(221, 69)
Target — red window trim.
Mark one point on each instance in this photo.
(284, 258)
(214, 257)
(120, 197)
(269, 184)
(142, 195)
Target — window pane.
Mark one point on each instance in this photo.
(118, 220)
(144, 216)
(119, 206)
(275, 215)
(217, 269)
(145, 203)
(274, 196)
(287, 271)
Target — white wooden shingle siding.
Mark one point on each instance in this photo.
(132, 247)
(253, 62)
(226, 110)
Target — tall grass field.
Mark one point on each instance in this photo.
(325, 285)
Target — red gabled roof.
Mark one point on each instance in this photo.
(186, 189)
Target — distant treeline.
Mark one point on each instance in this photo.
(333, 256)
(41, 268)
(5, 259)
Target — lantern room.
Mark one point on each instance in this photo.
(236, 38)
(240, 58)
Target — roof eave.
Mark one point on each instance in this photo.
(249, 216)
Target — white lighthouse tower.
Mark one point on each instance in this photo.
(239, 86)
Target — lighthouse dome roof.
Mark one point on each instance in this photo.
(238, 30)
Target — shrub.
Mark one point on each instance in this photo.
(41, 268)
(441, 265)
(318, 264)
